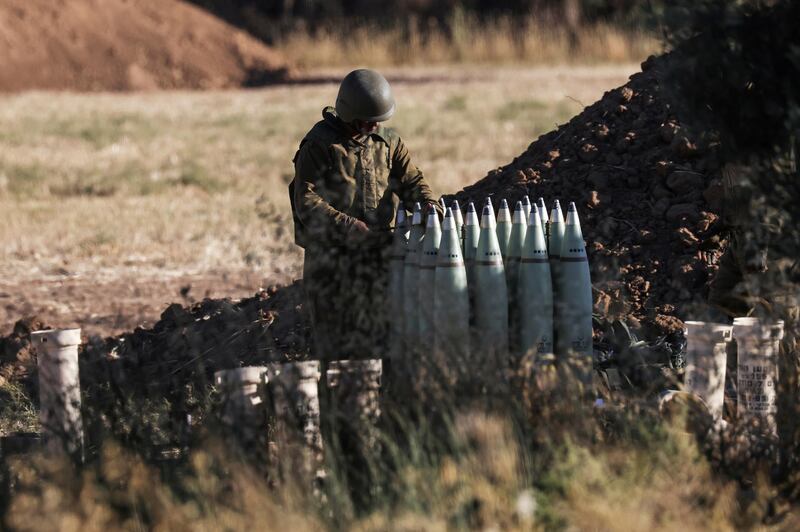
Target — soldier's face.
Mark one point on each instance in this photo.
(365, 128)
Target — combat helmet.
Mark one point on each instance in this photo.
(365, 95)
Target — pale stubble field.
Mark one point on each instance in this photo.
(112, 206)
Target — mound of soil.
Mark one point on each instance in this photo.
(187, 343)
(213, 334)
(17, 359)
(648, 196)
(93, 45)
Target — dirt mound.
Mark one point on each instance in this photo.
(126, 45)
(190, 343)
(648, 196)
(185, 346)
(130, 380)
(16, 356)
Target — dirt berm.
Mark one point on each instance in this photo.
(117, 45)
(647, 195)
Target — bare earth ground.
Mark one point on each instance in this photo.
(112, 206)
(117, 45)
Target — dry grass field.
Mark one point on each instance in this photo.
(504, 40)
(112, 206)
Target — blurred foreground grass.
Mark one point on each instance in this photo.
(571, 468)
(191, 181)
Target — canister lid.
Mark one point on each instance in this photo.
(239, 376)
(57, 337)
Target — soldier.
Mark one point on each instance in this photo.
(350, 174)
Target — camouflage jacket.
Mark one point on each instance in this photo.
(340, 178)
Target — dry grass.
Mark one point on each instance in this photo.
(503, 40)
(165, 183)
(493, 481)
(18, 412)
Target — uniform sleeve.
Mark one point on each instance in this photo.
(320, 220)
(412, 186)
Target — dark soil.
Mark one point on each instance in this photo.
(215, 334)
(17, 359)
(648, 195)
(186, 344)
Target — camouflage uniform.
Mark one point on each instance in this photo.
(340, 179)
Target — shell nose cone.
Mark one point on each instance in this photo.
(503, 215)
(543, 210)
(472, 215)
(556, 215)
(519, 213)
(526, 206)
(487, 217)
(572, 215)
(459, 218)
(449, 223)
(534, 218)
(572, 244)
(433, 218)
(417, 217)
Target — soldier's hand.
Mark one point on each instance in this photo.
(358, 230)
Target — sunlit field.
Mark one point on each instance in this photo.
(110, 203)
